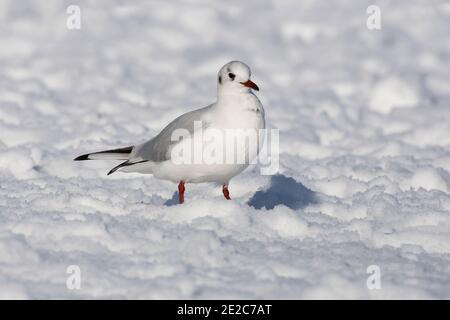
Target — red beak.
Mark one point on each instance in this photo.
(250, 84)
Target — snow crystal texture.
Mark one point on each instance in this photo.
(364, 178)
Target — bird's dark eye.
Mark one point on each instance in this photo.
(232, 76)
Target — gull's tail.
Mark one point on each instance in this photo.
(114, 154)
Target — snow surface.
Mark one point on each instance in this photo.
(364, 125)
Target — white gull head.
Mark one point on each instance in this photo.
(234, 78)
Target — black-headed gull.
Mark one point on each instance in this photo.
(236, 113)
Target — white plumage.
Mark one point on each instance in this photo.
(206, 132)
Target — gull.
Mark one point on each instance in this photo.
(236, 110)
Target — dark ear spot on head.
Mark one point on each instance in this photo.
(220, 79)
(232, 76)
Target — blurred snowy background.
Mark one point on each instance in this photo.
(364, 119)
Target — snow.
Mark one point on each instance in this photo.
(391, 93)
(364, 175)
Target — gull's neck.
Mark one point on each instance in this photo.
(231, 95)
(233, 101)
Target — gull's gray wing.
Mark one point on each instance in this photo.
(157, 149)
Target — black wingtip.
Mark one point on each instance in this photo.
(124, 164)
(117, 167)
(83, 157)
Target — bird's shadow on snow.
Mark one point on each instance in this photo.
(172, 201)
(283, 190)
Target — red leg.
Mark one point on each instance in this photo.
(181, 192)
(226, 192)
